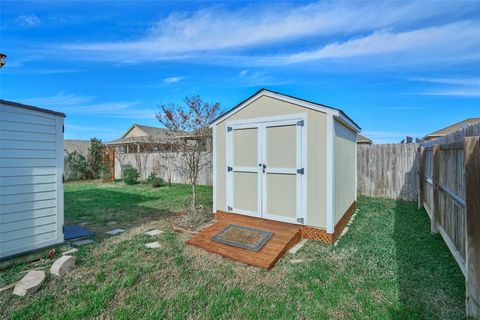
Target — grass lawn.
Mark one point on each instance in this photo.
(386, 266)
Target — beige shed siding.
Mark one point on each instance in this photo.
(31, 190)
(344, 169)
(316, 153)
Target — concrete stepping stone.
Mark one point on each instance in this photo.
(153, 245)
(30, 283)
(115, 231)
(79, 243)
(295, 261)
(62, 265)
(154, 232)
(297, 247)
(73, 250)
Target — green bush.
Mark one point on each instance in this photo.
(75, 166)
(130, 175)
(154, 180)
(105, 173)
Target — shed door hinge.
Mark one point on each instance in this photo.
(229, 208)
(301, 171)
(300, 220)
(300, 123)
(229, 169)
(63, 128)
(229, 129)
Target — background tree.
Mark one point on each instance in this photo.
(95, 157)
(189, 135)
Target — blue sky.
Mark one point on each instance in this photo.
(396, 68)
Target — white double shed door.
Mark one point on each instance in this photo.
(266, 160)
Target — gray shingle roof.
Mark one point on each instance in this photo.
(152, 134)
(454, 127)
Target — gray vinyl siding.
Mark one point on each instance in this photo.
(31, 188)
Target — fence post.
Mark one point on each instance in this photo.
(421, 173)
(472, 189)
(436, 187)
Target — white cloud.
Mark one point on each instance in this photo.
(28, 20)
(418, 45)
(83, 105)
(459, 87)
(172, 80)
(59, 100)
(251, 78)
(215, 31)
(457, 81)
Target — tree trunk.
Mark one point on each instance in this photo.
(194, 197)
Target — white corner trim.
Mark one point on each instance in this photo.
(60, 163)
(330, 169)
(214, 169)
(356, 168)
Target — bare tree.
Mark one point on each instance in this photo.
(121, 157)
(141, 156)
(189, 135)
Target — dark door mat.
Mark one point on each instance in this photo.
(243, 237)
(76, 232)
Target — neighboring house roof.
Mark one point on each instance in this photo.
(80, 146)
(452, 128)
(146, 133)
(281, 96)
(26, 106)
(363, 139)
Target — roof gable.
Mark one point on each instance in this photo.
(297, 101)
(134, 127)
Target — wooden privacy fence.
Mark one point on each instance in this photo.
(388, 171)
(166, 165)
(449, 190)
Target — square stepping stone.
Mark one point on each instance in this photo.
(73, 250)
(30, 283)
(153, 245)
(115, 231)
(154, 232)
(79, 243)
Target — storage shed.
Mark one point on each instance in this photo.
(31, 178)
(286, 159)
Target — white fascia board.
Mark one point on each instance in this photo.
(282, 97)
(347, 122)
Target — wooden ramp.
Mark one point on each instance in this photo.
(285, 235)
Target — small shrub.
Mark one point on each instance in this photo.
(105, 173)
(76, 166)
(154, 180)
(130, 175)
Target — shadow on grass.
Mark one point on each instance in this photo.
(429, 281)
(97, 206)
